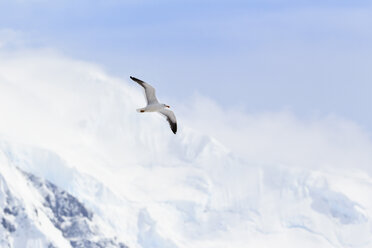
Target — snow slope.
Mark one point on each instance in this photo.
(36, 213)
(70, 123)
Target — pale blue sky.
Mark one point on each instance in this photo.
(312, 57)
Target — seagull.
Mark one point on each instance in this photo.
(153, 105)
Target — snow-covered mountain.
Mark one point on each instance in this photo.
(36, 213)
(79, 167)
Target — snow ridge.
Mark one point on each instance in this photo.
(56, 209)
(70, 123)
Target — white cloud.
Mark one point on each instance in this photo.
(281, 137)
(226, 179)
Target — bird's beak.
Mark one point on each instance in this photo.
(167, 106)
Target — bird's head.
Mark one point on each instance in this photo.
(167, 106)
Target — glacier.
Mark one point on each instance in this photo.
(69, 132)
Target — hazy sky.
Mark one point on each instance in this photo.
(311, 57)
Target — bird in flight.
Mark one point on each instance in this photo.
(153, 105)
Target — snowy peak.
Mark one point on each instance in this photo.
(129, 177)
(52, 218)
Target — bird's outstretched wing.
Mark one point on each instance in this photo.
(171, 118)
(149, 91)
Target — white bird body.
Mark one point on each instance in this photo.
(153, 105)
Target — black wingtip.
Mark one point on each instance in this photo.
(174, 128)
(139, 81)
(135, 79)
